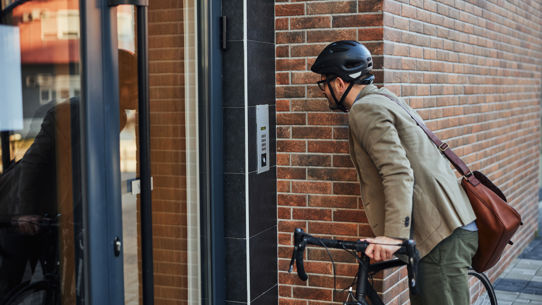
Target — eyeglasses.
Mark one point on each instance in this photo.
(321, 83)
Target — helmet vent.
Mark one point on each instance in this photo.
(353, 64)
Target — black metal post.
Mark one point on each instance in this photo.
(6, 154)
(145, 157)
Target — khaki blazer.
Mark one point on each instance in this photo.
(408, 188)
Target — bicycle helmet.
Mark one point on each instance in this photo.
(347, 59)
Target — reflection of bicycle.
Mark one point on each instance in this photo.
(44, 291)
(364, 289)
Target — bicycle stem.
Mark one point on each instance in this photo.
(361, 289)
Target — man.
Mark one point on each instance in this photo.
(408, 189)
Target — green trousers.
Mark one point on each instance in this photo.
(443, 273)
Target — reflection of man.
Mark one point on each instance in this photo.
(49, 184)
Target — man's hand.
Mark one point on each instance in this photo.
(381, 248)
(27, 224)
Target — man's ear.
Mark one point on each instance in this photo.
(341, 84)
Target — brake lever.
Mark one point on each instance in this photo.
(297, 255)
(292, 261)
(412, 266)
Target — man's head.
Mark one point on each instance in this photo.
(343, 64)
(127, 79)
(127, 83)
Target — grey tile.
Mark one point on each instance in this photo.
(236, 270)
(233, 9)
(234, 140)
(261, 20)
(261, 73)
(267, 298)
(262, 201)
(233, 71)
(510, 285)
(234, 205)
(263, 262)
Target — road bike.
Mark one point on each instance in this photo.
(484, 293)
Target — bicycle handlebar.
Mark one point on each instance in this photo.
(302, 239)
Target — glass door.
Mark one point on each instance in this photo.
(173, 147)
(41, 239)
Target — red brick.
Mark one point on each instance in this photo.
(311, 132)
(340, 133)
(311, 214)
(304, 78)
(371, 34)
(331, 174)
(349, 202)
(291, 118)
(331, 7)
(282, 78)
(291, 173)
(282, 51)
(342, 161)
(365, 6)
(290, 226)
(356, 216)
(354, 21)
(330, 118)
(311, 160)
(290, 37)
(284, 213)
(334, 228)
(312, 293)
(310, 105)
(306, 50)
(346, 188)
(291, 200)
(281, 24)
(311, 187)
(327, 147)
(283, 159)
(291, 146)
(310, 22)
(290, 64)
(290, 91)
(289, 9)
(324, 35)
(283, 132)
(282, 105)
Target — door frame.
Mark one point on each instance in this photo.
(101, 181)
(211, 152)
(101, 188)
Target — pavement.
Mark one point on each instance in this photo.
(521, 282)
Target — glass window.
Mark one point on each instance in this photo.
(40, 197)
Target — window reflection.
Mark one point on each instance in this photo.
(40, 198)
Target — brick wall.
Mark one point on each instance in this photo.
(168, 156)
(472, 69)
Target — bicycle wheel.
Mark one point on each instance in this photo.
(39, 293)
(482, 292)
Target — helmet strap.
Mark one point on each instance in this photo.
(340, 103)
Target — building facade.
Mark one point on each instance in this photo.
(471, 69)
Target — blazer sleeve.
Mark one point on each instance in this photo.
(373, 125)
